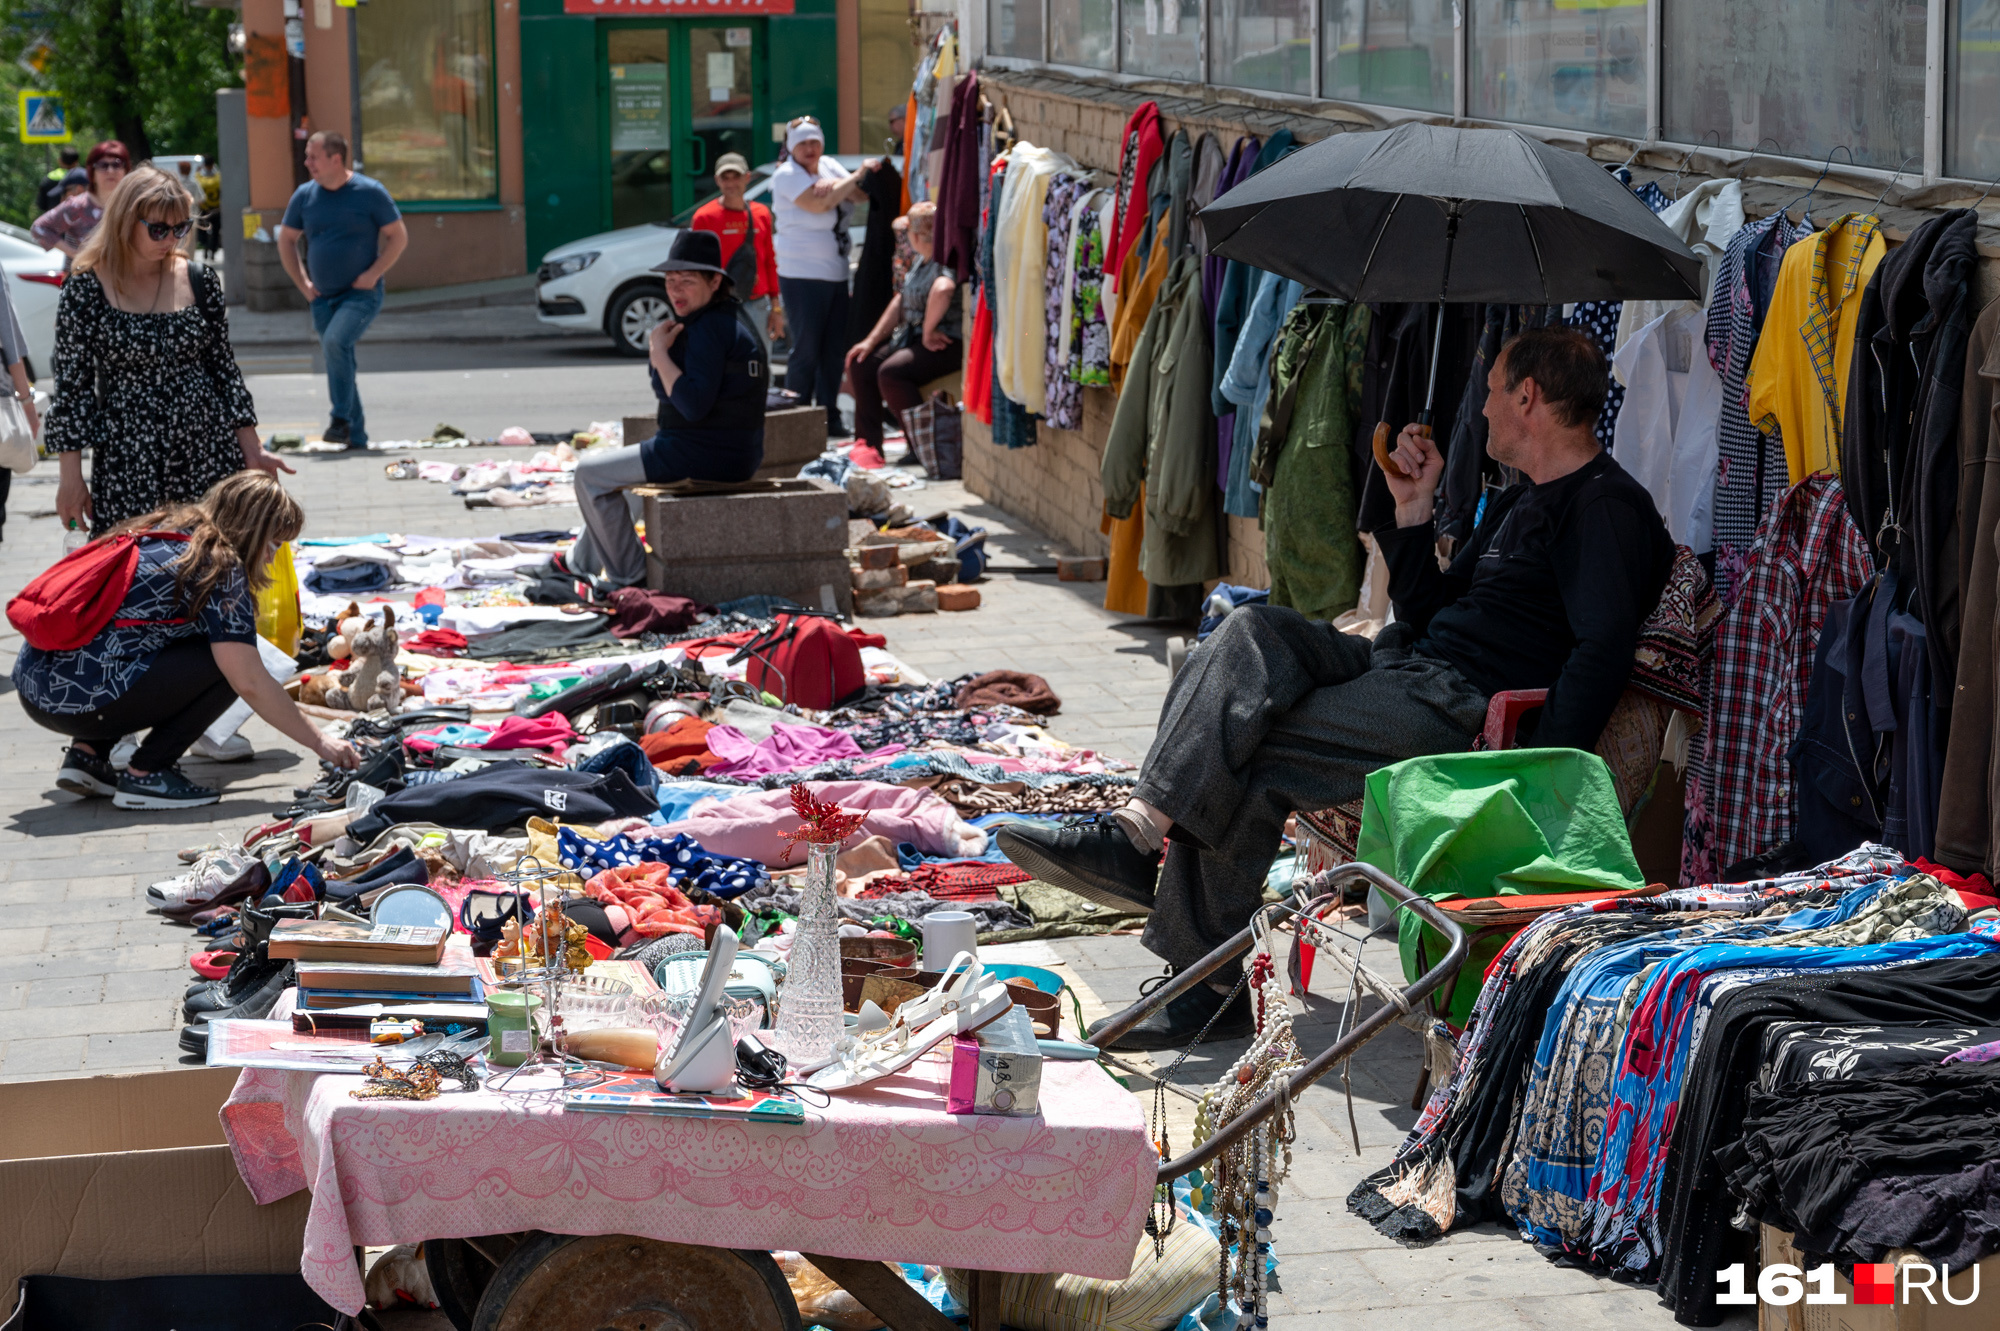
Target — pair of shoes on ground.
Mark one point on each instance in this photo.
(93, 776)
(249, 989)
(1094, 858)
(400, 866)
(219, 878)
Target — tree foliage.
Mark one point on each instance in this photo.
(142, 71)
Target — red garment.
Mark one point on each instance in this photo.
(654, 905)
(979, 362)
(956, 226)
(962, 880)
(436, 642)
(1974, 889)
(733, 227)
(636, 612)
(551, 731)
(1139, 147)
(683, 742)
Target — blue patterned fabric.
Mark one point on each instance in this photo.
(95, 675)
(690, 865)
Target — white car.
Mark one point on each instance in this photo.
(35, 278)
(607, 281)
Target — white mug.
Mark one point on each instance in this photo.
(946, 934)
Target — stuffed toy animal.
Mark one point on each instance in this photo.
(375, 678)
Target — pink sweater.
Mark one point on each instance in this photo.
(748, 825)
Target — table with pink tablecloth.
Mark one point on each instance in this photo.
(883, 1174)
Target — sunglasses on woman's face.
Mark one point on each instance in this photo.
(161, 230)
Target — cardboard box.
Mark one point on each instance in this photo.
(1980, 1315)
(108, 1178)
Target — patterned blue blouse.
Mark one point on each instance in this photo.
(93, 676)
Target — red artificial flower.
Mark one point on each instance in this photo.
(825, 824)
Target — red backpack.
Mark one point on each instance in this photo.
(806, 659)
(76, 598)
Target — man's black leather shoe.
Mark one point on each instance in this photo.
(1091, 857)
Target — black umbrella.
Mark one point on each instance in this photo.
(1428, 212)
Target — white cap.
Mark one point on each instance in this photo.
(804, 133)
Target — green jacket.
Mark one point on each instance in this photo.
(1163, 437)
(1306, 466)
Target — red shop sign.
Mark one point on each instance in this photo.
(684, 8)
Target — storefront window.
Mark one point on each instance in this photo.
(1262, 44)
(1084, 32)
(1556, 63)
(1972, 99)
(1014, 27)
(1390, 52)
(1163, 38)
(427, 125)
(1799, 80)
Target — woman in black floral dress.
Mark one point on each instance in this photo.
(145, 378)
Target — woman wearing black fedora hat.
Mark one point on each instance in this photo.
(710, 374)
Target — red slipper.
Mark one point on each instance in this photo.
(867, 457)
(212, 965)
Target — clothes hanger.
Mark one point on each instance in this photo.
(1805, 217)
(1892, 182)
(1687, 157)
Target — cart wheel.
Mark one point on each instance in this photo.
(1177, 655)
(461, 1270)
(614, 1282)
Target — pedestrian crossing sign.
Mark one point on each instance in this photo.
(44, 117)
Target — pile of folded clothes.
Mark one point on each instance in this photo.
(647, 778)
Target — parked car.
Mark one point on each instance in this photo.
(35, 284)
(606, 281)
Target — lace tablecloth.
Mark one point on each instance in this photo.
(883, 1174)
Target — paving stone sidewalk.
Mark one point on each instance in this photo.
(90, 982)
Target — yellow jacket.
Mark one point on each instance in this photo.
(1797, 383)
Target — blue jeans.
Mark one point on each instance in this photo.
(340, 320)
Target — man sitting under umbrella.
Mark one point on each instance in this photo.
(1276, 713)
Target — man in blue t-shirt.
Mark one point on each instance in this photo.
(353, 236)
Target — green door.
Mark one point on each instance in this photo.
(677, 95)
(639, 176)
(724, 86)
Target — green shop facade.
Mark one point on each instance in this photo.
(626, 106)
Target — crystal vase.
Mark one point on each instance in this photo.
(809, 1020)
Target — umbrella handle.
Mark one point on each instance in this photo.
(1386, 460)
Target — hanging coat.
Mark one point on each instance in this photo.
(1139, 146)
(1968, 827)
(1899, 443)
(1163, 434)
(957, 221)
(874, 282)
(1310, 542)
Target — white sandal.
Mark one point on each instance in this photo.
(867, 1058)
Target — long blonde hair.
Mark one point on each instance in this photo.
(241, 516)
(145, 195)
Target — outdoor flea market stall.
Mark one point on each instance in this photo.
(573, 1206)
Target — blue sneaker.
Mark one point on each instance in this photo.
(166, 789)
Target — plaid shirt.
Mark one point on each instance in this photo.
(1808, 554)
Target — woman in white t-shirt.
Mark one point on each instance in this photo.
(811, 197)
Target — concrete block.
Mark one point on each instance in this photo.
(1079, 568)
(957, 596)
(915, 598)
(939, 571)
(773, 537)
(792, 438)
(880, 579)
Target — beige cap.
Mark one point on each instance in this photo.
(731, 162)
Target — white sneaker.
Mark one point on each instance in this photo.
(232, 750)
(122, 751)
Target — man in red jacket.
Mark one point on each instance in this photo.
(745, 231)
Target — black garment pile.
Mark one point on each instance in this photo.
(1806, 1152)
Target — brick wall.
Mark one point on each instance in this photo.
(1054, 485)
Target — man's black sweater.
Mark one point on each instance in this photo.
(1550, 593)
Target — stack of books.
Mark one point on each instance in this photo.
(341, 965)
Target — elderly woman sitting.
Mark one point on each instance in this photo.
(915, 341)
